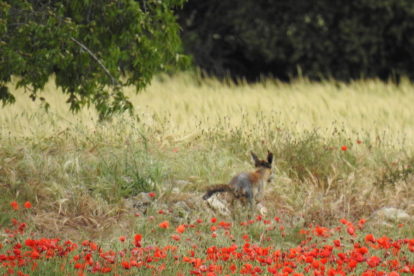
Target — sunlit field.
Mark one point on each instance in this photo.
(186, 101)
(123, 196)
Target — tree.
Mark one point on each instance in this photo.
(93, 48)
(324, 38)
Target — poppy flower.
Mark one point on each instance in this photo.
(370, 238)
(122, 238)
(351, 230)
(309, 259)
(344, 148)
(352, 264)
(164, 224)
(180, 229)
(27, 205)
(106, 269)
(14, 205)
(35, 255)
(152, 194)
(126, 265)
(374, 261)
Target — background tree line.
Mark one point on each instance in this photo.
(324, 38)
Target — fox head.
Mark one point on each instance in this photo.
(264, 164)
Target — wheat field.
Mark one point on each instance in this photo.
(187, 102)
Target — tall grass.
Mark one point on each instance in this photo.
(185, 102)
(79, 172)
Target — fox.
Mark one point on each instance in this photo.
(246, 187)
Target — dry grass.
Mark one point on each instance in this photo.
(78, 172)
(185, 102)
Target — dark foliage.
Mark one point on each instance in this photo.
(324, 38)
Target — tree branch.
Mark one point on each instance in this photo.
(114, 81)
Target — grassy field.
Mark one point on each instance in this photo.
(186, 102)
(342, 150)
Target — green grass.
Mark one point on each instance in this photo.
(78, 173)
(189, 133)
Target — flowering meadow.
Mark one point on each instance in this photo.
(124, 196)
(232, 249)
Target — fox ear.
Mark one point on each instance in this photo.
(255, 158)
(269, 157)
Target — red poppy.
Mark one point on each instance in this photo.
(344, 148)
(14, 205)
(27, 205)
(374, 261)
(126, 265)
(180, 229)
(152, 194)
(35, 255)
(122, 238)
(353, 264)
(106, 269)
(369, 238)
(164, 224)
(351, 230)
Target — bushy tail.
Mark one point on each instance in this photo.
(217, 189)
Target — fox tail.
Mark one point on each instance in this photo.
(217, 189)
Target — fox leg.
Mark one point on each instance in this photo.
(231, 198)
(260, 194)
(251, 201)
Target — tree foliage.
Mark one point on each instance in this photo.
(329, 38)
(93, 48)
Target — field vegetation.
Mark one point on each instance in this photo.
(342, 151)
